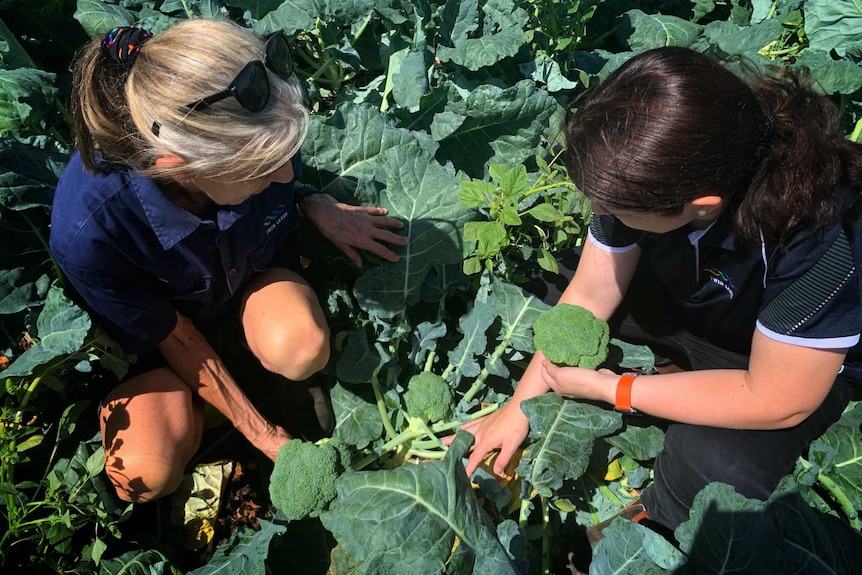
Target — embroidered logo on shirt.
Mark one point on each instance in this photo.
(275, 217)
(720, 278)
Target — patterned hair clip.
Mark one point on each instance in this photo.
(122, 44)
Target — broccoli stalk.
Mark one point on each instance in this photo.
(571, 335)
(302, 483)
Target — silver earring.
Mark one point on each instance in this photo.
(701, 213)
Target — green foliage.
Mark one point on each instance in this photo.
(428, 397)
(302, 483)
(571, 335)
(417, 105)
(446, 520)
(524, 222)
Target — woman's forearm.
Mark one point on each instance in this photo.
(192, 357)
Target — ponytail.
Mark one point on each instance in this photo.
(803, 160)
(103, 124)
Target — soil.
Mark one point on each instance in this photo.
(242, 504)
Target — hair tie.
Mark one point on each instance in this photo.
(123, 43)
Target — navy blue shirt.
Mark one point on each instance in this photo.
(136, 258)
(804, 293)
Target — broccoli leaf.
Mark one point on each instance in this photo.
(406, 520)
(358, 421)
(564, 431)
(632, 548)
(728, 532)
(62, 327)
(245, 551)
(423, 195)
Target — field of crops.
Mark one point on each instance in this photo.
(447, 114)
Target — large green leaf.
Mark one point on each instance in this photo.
(493, 125)
(641, 443)
(517, 310)
(477, 53)
(343, 149)
(140, 562)
(473, 326)
(96, 17)
(460, 18)
(23, 93)
(408, 70)
(28, 174)
(647, 31)
(358, 420)
(294, 16)
(632, 548)
(17, 296)
(837, 454)
(832, 76)
(416, 519)
(563, 432)
(728, 533)
(358, 360)
(62, 328)
(422, 194)
(742, 40)
(833, 24)
(244, 553)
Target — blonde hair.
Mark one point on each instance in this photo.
(117, 107)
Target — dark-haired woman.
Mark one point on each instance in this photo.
(725, 234)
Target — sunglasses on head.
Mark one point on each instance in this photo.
(251, 86)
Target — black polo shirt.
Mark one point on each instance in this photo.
(136, 258)
(804, 293)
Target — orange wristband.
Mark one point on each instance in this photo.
(623, 402)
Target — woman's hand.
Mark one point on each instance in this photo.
(580, 383)
(351, 227)
(505, 429)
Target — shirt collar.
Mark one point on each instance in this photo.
(720, 232)
(171, 223)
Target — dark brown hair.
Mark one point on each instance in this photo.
(671, 125)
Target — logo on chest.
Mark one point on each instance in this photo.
(721, 279)
(275, 217)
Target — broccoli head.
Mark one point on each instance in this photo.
(428, 397)
(571, 335)
(302, 483)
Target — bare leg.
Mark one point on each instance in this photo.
(284, 325)
(151, 427)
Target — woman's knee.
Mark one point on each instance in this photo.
(285, 326)
(298, 353)
(151, 427)
(138, 478)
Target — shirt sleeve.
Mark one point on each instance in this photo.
(134, 311)
(301, 190)
(812, 297)
(611, 235)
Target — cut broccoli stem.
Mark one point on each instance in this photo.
(426, 454)
(411, 434)
(839, 495)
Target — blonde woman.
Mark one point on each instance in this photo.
(179, 216)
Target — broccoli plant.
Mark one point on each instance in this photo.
(571, 335)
